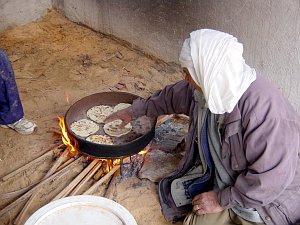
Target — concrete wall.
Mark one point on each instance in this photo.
(269, 29)
(19, 12)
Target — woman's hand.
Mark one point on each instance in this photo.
(125, 115)
(206, 202)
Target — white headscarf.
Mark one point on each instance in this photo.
(215, 62)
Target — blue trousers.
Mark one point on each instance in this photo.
(11, 109)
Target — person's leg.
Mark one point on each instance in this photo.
(11, 109)
(221, 218)
(226, 217)
(238, 220)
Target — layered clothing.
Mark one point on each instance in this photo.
(260, 141)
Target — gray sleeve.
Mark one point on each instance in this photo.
(173, 99)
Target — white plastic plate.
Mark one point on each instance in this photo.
(82, 210)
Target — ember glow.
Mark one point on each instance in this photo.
(70, 142)
(144, 151)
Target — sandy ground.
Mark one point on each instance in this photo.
(56, 63)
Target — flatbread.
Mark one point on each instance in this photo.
(100, 139)
(84, 127)
(121, 106)
(99, 113)
(113, 128)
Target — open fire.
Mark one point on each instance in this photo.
(94, 173)
(72, 146)
(69, 142)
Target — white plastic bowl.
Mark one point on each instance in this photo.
(82, 210)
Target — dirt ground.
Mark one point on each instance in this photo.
(56, 63)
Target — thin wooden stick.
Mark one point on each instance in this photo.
(62, 158)
(25, 196)
(101, 181)
(86, 178)
(98, 174)
(15, 194)
(25, 189)
(33, 162)
(21, 217)
(66, 163)
(111, 187)
(74, 182)
(101, 171)
(53, 169)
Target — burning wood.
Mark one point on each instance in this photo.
(61, 159)
(66, 163)
(70, 142)
(101, 181)
(109, 193)
(101, 170)
(77, 180)
(86, 178)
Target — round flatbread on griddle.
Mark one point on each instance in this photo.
(84, 127)
(121, 106)
(100, 139)
(99, 113)
(113, 128)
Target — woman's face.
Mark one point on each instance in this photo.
(189, 79)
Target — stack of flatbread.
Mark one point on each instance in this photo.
(96, 115)
(121, 106)
(84, 127)
(113, 128)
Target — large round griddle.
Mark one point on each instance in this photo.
(78, 111)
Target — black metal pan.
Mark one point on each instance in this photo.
(127, 145)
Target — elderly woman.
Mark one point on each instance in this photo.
(11, 110)
(241, 164)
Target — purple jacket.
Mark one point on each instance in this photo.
(260, 149)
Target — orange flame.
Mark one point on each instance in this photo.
(145, 150)
(116, 162)
(72, 146)
(70, 142)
